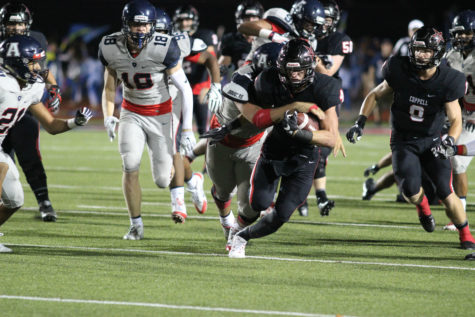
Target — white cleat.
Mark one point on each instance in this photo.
(4, 249)
(135, 233)
(235, 228)
(238, 248)
(198, 195)
(450, 227)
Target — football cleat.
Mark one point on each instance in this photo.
(368, 189)
(470, 257)
(198, 195)
(232, 232)
(238, 248)
(4, 249)
(303, 209)
(467, 245)
(450, 227)
(135, 233)
(427, 222)
(47, 212)
(325, 207)
(179, 217)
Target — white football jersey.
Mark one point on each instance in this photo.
(143, 77)
(14, 101)
(466, 66)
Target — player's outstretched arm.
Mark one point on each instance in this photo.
(263, 29)
(454, 115)
(54, 125)
(108, 105)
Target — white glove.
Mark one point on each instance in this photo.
(187, 142)
(214, 98)
(83, 115)
(110, 123)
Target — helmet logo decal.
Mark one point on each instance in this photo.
(13, 50)
(15, 18)
(141, 18)
(292, 64)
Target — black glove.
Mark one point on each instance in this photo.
(445, 149)
(373, 169)
(356, 131)
(469, 126)
(289, 124)
(216, 135)
(54, 98)
(82, 116)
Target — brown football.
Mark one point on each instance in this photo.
(307, 121)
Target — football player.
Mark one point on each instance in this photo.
(141, 59)
(206, 93)
(22, 85)
(333, 47)
(424, 90)
(401, 48)
(462, 58)
(196, 49)
(235, 46)
(23, 139)
(278, 25)
(288, 155)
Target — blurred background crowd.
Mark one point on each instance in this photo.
(74, 32)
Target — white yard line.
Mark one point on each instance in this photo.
(158, 305)
(459, 268)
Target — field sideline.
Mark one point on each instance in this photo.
(365, 259)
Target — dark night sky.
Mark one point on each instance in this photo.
(374, 18)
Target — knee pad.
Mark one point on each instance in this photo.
(13, 198)
(162, 180)
(130, 162)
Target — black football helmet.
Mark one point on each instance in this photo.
(427, 38)
(332, 11)
(248, 8)
(186, 12)
(266, 55)
(464, 22)
(139, 11)
(164, 23)
(15, 13)
(20, 50)
(296, 55)
(308, 17)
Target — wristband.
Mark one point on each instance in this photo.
(71, 124)
(313, 107)
(262, 119)
(361, 121)
(459, 150)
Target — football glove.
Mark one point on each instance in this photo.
(216, 135)
(54, 98)
(83, 115)
(277, 38)
(187, 142)
(110, 123)
(214, 98)
(290, 126)
(445, 149)
(355, 132)
(470, 126)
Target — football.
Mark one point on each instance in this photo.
(307, 121)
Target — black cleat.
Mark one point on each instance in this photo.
(303, 209)
(470, 257)
(427, 222)
(368, 189)
(467, 245)
(47, 212)
(325, 207)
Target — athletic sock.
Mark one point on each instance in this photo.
(464, 232)
(321, 195)
(228, 220)
(177, 195)
(136, 221)
(423, 208)
(191, 183)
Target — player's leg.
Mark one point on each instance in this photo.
(220, 168)
(440, 173)
(408, 173)
(320, 182)
(383, 162)
(12, 192)
(131, 144)
(24, 139)
(200, 110)
(195, 181)
(370, 188)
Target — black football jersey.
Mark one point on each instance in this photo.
(198, 73)
(235, 46)
(269, 92)
(336, 43)
(418, 109)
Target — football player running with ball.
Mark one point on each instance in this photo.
(424, 91)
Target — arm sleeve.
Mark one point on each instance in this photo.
(181, 82)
